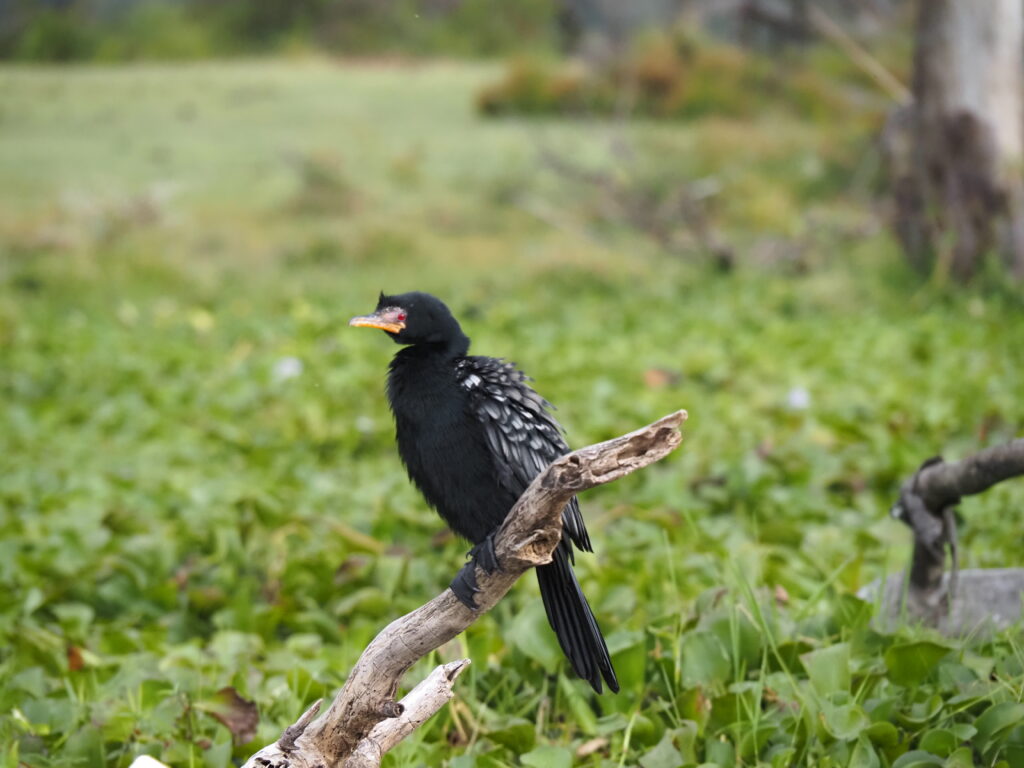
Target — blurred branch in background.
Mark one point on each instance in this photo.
(674, 214)
(956, 602)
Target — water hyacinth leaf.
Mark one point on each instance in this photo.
(997, 722)
(629, 657)
(940, 741)
(921, 712)
(788, 654)
(692, 704)
(529, 633)
(705, 661)
(845, 721)
(720, 752)
(663, 755)
(829, 668)
(738, 707)
(751, 740)
(963, 731)
(739, 636)
(910, 663)
(864, 755)
(583, 714)
(547, 756)
(882, 734)
(218, 755)
(685, 737)
(917, 758)
(853, 613)
(783, 758)
(961, 758)
(516, 733)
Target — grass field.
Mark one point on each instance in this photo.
(199, 483)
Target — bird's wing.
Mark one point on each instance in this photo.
(521, 433)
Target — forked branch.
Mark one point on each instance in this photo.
(926, 505)
(365, 721)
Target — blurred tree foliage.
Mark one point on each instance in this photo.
(677, 73)
(79, 30)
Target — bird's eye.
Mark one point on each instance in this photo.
(401, 317)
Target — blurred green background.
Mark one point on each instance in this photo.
(198, 482)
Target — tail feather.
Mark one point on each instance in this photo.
(573, 622)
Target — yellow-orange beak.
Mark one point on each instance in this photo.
(386, 319)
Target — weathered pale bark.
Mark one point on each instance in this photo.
(955, 152)
(364, 721)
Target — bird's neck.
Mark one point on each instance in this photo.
(422, 371)
(452, 346)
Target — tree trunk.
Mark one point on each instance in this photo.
(955, 152)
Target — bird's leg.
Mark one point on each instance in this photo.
(483, 554)
(464, 584)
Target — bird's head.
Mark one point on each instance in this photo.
(415, 318)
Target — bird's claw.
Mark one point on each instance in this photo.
(464, 584)
(483, 554)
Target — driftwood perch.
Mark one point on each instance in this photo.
(365, 721)
(954, 601)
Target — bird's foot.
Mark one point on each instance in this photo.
(464, 584)
(483, 554)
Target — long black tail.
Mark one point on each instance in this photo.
(570, 616)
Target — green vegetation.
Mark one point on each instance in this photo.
(200, 487)
(163, 30)
(681, 74)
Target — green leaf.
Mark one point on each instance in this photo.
(882, 734)
(685, 737)
(783, 758)
(516, 733)
(963, 731)
(864, 755)
(911, 663)
(918, 758)
(940, 741)
(218, 755)
(751, 740)
(996, 723)
(961, 758)
(829, 668)
(629, 656)
(720, 752)
(921, 712)
(663, 755)
(844, 722)
(705, 661)
(532, 636)
(583, 715)
(547, 756)
(853, 613)
(739, 636)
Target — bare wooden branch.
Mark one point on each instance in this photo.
(527, 538)
(418, 706)
(926, 506)
(943, 484)
(872, 67)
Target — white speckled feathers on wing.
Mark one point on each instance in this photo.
(521, 433)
